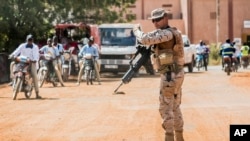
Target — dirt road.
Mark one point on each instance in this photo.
(211, 102)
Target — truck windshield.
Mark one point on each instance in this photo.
(117, 37)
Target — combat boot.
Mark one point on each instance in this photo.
(179, 136)
(169, 137)
(38, 96)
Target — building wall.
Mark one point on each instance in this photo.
(203, 27)
(197, 18)
(143, 8)
(241, 13)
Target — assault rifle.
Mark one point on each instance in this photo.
(140, 58)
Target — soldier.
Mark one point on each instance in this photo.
(169, 61)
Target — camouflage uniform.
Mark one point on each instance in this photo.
(168, 40)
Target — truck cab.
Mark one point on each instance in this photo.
(118, 45)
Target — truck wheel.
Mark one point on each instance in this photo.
(190, 67)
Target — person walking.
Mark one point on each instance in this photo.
(169, 62)
(30, 50)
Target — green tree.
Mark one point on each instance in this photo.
(21, 17)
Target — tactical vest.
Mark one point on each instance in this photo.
(169, 55)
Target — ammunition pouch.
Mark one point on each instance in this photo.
(165, 58)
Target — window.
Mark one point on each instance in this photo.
(167, 5)
(132, 6)
(212, 15)
(181, 16)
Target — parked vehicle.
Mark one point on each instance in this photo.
(23, 81)
(189, 53)
(118, 45)
(46, 72)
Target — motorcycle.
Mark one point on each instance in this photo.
(230, 65)
(89, 70)
(23, 81)
(200, 62)
(245, 61)
(66, 65)
(46, 72)
(235, 64)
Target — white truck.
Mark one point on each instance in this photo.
(118, 45)
(189, 53)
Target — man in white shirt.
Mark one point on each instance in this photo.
(200, 49)
(30, 50)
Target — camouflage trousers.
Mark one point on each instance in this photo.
(170, 100)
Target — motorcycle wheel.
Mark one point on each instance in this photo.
(199, 65)
(65, 75)
(16, 88)
(245, 65)
(29, 93)
(235, 68)
(88, 76)
(228, 70)
(41, 77)
(91, 76)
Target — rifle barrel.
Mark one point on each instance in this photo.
(118, 87)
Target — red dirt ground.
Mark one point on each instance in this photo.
(211, 102)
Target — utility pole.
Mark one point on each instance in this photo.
(142, 10)
(217, 22)
(230, 20)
